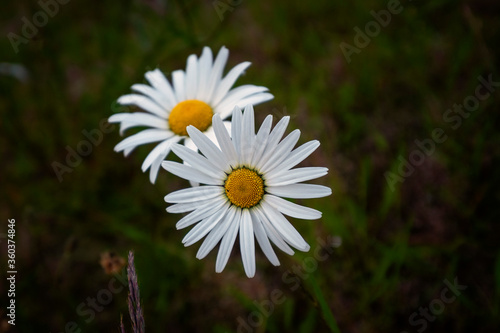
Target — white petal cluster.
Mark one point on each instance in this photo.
(201, 81)
(215, 217)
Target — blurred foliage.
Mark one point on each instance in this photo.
(398, 245)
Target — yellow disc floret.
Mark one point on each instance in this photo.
(190, 112)
(244, 188)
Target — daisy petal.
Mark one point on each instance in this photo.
(282, 151)
(236, 130)
(144, 103)
(247, 243)
(272, 233)
(128, 150)
(255, 99)
(272, 141)
(190, 144)
(210, 134)
(216, 234)
(160, 83)
(228, 81)
(216, 73)
(189, 206)
(204, 67)
(208, 148)
(241, 92)
(126, 125)
(286, 230)
(179, 81)
(296, 176)
(118, 117)
(143, 137)
(226, 105)
(265, 245)
(194, 194)
(152, 93)
(191, 77)
(198, 162)
(201, 213)
(145, 119)
(155, 166)
(247, 134)
(300, 191)
(204, 227)
(157, 151)
(291, 209)
(189, 173)
(294, 158)
(261, 140)
(129, 120)
(224, 140)
(227, 243)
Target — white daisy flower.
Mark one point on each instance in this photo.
(195, 97)
(245, 180)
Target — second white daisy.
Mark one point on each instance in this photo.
(245, 180)
(196, 96)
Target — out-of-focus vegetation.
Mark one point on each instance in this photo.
(400, 241)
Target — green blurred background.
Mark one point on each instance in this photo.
(400, 240)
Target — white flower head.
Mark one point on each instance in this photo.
(196, 95)
(244, 182)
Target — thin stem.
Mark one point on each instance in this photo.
(134, 301)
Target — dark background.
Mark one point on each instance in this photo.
(400, 239)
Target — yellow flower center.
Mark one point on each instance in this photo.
(190, 112)
(244, 188)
